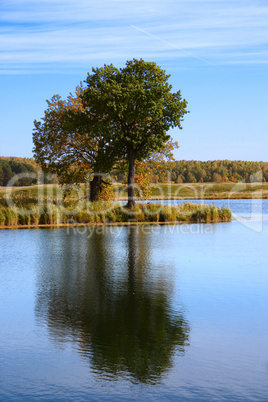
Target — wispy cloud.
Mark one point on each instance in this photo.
(43, 34)
(70, 11)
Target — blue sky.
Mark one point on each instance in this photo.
(216, 52)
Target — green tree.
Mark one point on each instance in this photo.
(7, 173)
(201, 174)
(190, 178)
(137, 105)
(180, 179)
(216, 177)
(1, 175)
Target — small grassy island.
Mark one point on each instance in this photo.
(45, 206)
(113, 213)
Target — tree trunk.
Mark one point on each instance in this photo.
(95, 185)
(131, 177)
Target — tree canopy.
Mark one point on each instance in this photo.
(71, 144)
(121, 114)
(137, 108)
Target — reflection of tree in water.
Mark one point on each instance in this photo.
(107, 300)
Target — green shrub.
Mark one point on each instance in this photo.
(84, 217)
(170, 213)
(11, 217)
(138, 213)
(214, 213)
(24, 218)
(35, 215)
(111, 217)
(225, 214)
(2, 217)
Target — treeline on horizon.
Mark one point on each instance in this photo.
(10, 167)
(159, 172)
(211, 171)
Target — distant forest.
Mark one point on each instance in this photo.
(211, 171)
(10, 167)
(159, 172)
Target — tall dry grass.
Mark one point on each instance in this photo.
(109, 212)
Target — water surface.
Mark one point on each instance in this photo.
(149, 312)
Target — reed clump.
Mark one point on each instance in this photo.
(211, 213)
(109, 212)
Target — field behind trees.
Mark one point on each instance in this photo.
(159, 191)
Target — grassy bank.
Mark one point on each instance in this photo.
(110, 213)
(159, 191)
(210, 191)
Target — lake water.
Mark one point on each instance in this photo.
(141, 312)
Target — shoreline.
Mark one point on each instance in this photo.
(109, 224)
(265, 197)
